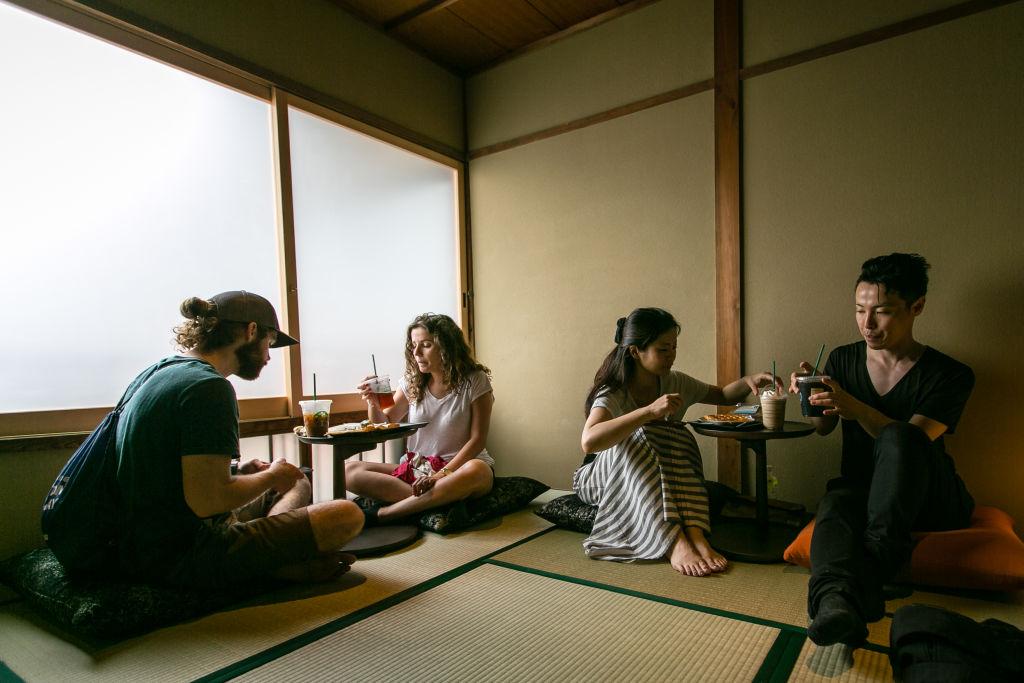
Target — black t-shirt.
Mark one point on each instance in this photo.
(937, 387)
(184, 409)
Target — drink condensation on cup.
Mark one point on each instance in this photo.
(316, 416)
(381, 387)
(809, 385)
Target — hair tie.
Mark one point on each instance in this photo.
(619, 324)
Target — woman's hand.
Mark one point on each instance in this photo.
(754, 382)
(424, 484)
(367, 394)
(664, 406)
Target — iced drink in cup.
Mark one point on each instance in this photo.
(316, 416)
(773, 409)
(381, 387)
(808, 385)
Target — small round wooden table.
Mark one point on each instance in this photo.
(756, 540)
(378, 539)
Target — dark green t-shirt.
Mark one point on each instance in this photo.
(185, 408)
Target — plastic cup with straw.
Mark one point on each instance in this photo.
(316, 414)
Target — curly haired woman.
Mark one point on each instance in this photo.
(446, 387)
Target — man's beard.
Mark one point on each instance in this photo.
(250, 359)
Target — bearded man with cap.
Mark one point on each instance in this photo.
(188, 517)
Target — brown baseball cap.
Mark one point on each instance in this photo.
(245, 307)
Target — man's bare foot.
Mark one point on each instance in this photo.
(685, 559)
(711, 557)
(324, 568)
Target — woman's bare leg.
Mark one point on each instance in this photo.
(472, 480)
(711, 557)
(686, 559)
(374, 480)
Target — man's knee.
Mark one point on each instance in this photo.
(841, 502)
(335, 522)
(902, 441)
(303, 491)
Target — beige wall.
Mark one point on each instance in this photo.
(781, 27)
(317, 44)
(573, 232)
(660, 47)
(911, 144)
(24, 480)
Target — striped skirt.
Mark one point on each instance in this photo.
(646, 488)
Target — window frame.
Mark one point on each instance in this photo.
(271, 410)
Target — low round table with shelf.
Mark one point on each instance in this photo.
(378, 539)
(757, 540)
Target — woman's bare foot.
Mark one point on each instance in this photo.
(686, 559)
(713, 559)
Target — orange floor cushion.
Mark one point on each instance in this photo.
(988, 555)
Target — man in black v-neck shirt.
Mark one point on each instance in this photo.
(896, 398)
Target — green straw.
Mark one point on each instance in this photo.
(374, 361)
(314, 386)
(775, 389)
(820, 351)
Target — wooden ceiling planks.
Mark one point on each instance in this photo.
(449, 39)
(511, 24)
(468, 35)
(566, 13)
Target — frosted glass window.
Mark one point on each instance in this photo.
(126, 186)
(375, 240)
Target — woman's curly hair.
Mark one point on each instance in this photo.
(203, 330)
(457, 359)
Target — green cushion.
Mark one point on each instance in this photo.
(507, 495)
(569, 512)
(104, 610)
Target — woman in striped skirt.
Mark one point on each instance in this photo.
(647, 479)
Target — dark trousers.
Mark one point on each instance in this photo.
(862, 533)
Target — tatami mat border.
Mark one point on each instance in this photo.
(281, 649)
(781, 658)
(784, 627)
(8, 676)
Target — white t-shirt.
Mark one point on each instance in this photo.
(449, 418)
(690, 390)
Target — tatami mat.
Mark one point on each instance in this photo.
(36, 652)
(771, 592)
(497, 624)
(840, 663)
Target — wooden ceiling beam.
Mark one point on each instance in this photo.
(417, 12)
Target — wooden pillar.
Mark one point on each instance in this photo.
(728, 331)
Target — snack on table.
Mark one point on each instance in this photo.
(362, 427)
(726, 417)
